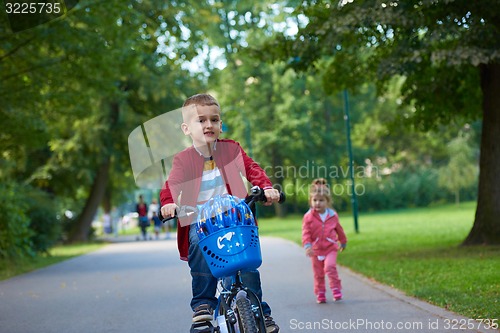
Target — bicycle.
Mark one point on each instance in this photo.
(230, 243)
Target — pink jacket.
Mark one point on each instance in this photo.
(322, 236)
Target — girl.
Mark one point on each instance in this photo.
(321, 235)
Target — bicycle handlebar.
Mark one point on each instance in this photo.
(256, 194)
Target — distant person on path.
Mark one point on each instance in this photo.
(115, 219)
(210, 167)
(142, 210)
(153, 211)
(154, 208)
(106, 223)
(323, 237)
(157, 225)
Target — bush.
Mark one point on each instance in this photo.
(43, 221)
(28, 221)
(15, 235)
(416, 188)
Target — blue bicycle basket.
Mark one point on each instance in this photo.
(229, 238)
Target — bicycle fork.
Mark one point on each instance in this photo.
(228, 319)
(256, 308)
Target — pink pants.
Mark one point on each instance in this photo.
(328, 267)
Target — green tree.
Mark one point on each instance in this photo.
(447, 53)
(267, 108)
(73, 89)
(461, 170)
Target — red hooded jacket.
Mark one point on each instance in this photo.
(183, 184)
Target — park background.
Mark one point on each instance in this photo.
(408, 88)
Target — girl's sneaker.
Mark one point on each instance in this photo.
(321, 298)
(337, 294)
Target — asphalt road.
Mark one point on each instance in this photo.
(132, 287)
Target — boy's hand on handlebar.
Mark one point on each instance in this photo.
(168, 210)
(272, 195)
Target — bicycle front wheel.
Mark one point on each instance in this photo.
(246, 318)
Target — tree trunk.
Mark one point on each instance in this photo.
(81, 230)
(486, 228)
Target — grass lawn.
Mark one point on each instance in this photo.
(56, 254)
(418, 251)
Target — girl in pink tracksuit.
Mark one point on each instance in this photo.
(322, 238)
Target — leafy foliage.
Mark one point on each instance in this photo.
(461, 170)
(435, 45)
(73, 89)
(15, 238)
(447, 53)
(44, 223)
(98, 73)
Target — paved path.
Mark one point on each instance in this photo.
(132, 287)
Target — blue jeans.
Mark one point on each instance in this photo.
(204, 284)
(144, 225)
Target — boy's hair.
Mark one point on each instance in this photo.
(198, 99)
(319, 186)
(201, 99)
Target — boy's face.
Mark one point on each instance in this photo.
(202, 123)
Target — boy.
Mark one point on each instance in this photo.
(142, 209)
(210, 167)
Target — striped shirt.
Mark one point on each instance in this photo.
(212, 183)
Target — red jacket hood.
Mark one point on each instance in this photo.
(183, 184)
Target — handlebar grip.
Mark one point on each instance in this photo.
(258, 195)
(182, 211)
(166, 219)
(282, 197)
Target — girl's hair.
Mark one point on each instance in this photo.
(319, 181)
(319, 186)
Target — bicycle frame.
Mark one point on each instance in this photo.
(226, 317)
(239, 309)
